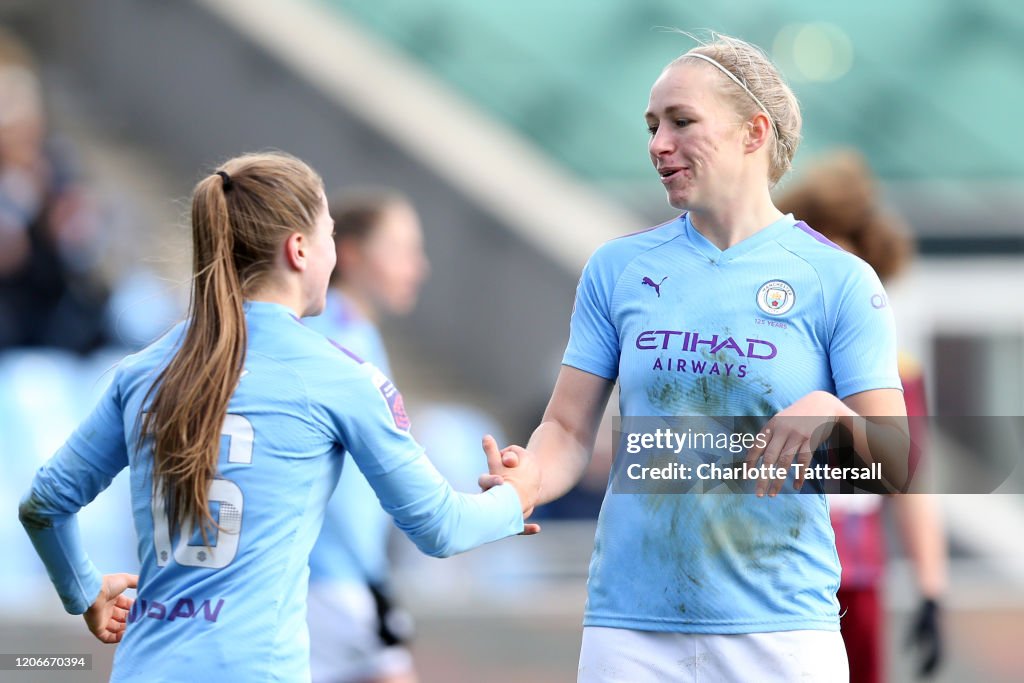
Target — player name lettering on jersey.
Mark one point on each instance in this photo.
(183, 608)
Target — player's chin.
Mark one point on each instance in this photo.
(678, 199)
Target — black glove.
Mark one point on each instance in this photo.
(394, 625)
(926, 636)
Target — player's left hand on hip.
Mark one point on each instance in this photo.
(108, 614)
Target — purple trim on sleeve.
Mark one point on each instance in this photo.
(817, 235)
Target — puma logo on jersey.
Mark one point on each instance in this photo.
(656, 285)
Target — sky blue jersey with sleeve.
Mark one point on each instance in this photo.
(353, 543)
(235, 611)
(688, 329)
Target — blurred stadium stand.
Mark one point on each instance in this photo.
(917, 91)
(512, 211)
(516, 129)
(290, 77)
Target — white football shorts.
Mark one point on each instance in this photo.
(614, 655)
(345, 644)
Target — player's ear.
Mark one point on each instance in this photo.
(295, 251)
(759, 130)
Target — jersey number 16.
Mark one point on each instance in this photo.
(226, 494)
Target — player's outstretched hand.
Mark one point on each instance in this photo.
(106, 616)
(517, 468)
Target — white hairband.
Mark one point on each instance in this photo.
(738, 82)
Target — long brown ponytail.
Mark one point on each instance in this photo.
(240, 217)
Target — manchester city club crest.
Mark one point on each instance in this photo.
(775, 297)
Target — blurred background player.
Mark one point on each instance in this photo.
(68, 311)
(357, 634)
(839, 197)
(241, 412)
(51, 290)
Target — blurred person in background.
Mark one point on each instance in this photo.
(839, 197)
(242, 412)
(723, 587)
(357, 633)
(51, 290)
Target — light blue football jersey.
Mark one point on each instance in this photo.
(236, 611)
(353, 543)
(689, 329)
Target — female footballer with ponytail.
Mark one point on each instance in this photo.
(235, 426)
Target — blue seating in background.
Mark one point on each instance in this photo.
(44, 394)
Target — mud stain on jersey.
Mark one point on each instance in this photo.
(675, 519)
(31, 514)
(755, 533)
(711, 394)
(669, 396)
